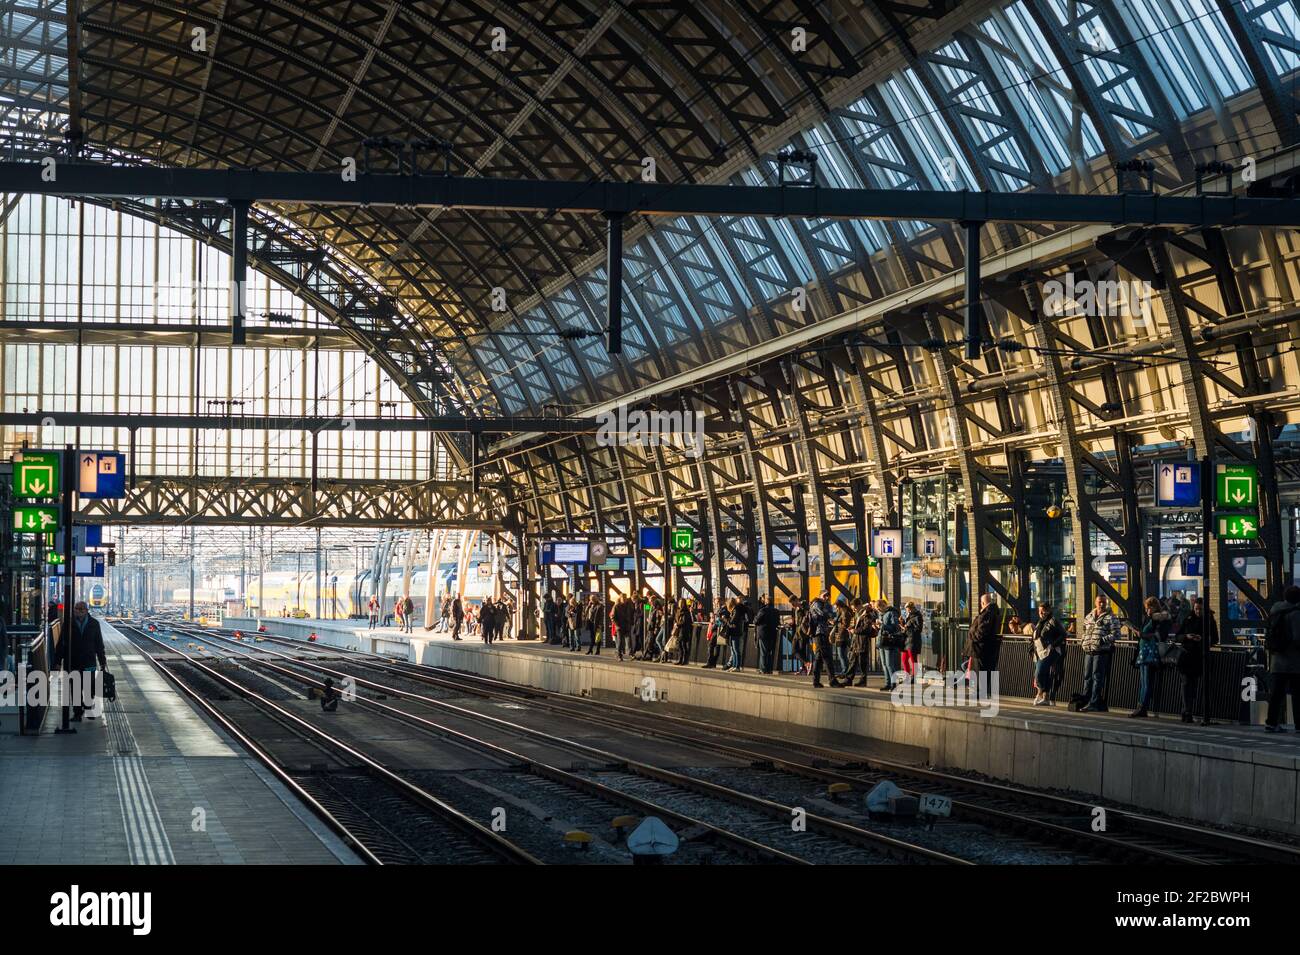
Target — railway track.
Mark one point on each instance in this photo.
(1052, 819)
(448, 835)
(680, 798)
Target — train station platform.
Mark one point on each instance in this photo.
(1226, 773)
(151, 782)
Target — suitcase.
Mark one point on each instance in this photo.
(110, 687)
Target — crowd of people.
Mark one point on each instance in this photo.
(850, 638)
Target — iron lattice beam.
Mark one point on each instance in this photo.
(300, 502)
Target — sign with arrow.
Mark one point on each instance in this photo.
(1177, 483)
(35, 518)
(36, 474)
(101, 474)
(1236, 485)
(1238, 527)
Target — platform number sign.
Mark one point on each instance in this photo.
(1236, 485)
(37, 474)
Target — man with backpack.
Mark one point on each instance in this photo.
(1282, 641)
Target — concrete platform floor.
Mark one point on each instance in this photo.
(152, 782)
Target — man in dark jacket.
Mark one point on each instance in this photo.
(457, 617)
(985, 641)
(623, 611)
(1283, 641)
(81, 650)
(765, 624)
(821, 618)
(548, 617)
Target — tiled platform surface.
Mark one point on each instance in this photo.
(125, 788)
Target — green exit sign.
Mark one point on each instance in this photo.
(683, 560)
(36, 474)
(36, 518)
(1236, 485)
(54, 557)
(683, 538)
(1238, 527)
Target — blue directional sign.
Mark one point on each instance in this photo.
(650, 538)
(1178, 483)
(101, 474)
(1193, 565)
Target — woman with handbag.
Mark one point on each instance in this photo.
(1047, 646)
(1155, 631)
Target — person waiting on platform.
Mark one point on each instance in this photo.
(821, 621)
(548, 617)
(716, 634)
(841, 633)
(1282, 640)
(1048, 648)
(1197, 627)
(861, 622)
(737, 631)
(457, 617)
(397, 613)
(984, 644)
(624, 612)
(800, 636)
(889, 641)
(1100, 629)
(683, 624)
(573, 624)
(659, 629)
(765, 629)
(372, 611)
(408, 613)
(81, 650)
(913, 633)
(1155, 631)
(639, 604)
(487, 621)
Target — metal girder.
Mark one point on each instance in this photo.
(594, 197)
(838, 501)
(1155, 264)
(463, 424)
(1090, 479)
(1096, 31)
(175, 499)
(1246, 23)
(781, 520)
